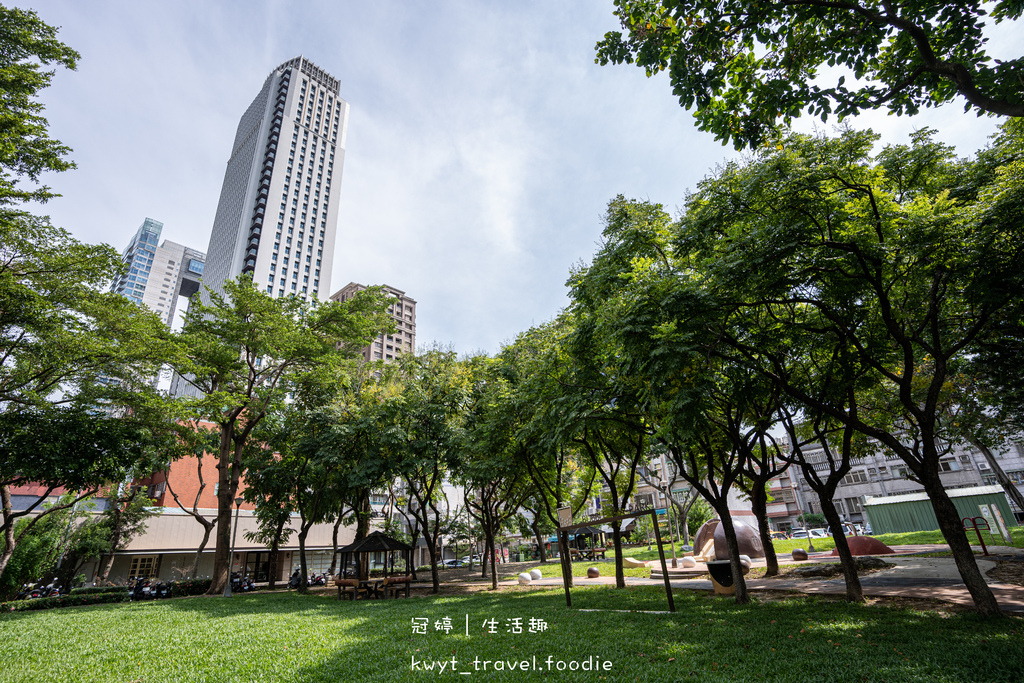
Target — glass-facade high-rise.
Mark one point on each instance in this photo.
(138, 257)
(156, 274)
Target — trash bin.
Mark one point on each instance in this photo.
(721, 577)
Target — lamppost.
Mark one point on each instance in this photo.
(231, 553)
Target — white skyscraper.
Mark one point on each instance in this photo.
(156, 274)
(278, 209)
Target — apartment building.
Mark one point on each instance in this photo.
(402, 310)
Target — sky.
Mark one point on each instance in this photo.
(483, 145)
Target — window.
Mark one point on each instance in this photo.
(143, 566)
(784, 496)
(855, 477)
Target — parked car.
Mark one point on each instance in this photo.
(819, 533)
(798, 533)
(777, 535)
(476, 559)
(452, 563)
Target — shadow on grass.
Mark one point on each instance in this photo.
(709, 638)
(287, 637)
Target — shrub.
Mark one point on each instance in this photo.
(190, 587)
(97, 590)
(63, 601)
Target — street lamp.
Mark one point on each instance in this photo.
(231, 553)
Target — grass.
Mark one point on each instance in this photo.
(607, 568)
(286, 637)
(786, 546)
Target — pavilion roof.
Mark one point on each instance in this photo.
(378, 541)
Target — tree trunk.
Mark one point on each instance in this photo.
(1011, 491)
(334, 545)
(303, 572)
(115, 533)
(9, 541)
(227, 483)
(207, 529)
(742, 596)
(684, 514)
(854, 592)
(363, 516)
(759, 506)
(485, 561)
(541, 554)
(953, 532)
(275, 546)
(434, 577)
(620, 578)
(494, 573)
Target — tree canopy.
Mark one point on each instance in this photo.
(748, 66)
(27, 45)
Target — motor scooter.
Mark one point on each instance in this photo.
(144, 589)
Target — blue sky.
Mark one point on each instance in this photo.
(483, 141)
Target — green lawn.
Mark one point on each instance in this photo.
(786, 546)
(286, 637)
(607, 568)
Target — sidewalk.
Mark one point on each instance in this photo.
(932, 578)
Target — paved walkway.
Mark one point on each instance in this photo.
(933, 578)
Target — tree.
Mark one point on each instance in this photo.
(812, 519)
(123, 519)
(206, 440)
(245, 351)
(429, 419)
(492, 468)
(972, 414)
(556, 468)
(901, 261)
(73, 356)
(73, 448)
(747, 67)
(824, 474)
(26, 149)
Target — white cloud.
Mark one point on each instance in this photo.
(483, 146)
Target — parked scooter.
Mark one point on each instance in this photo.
(144, 589)
(241, 584)
(26, 591)
(32, 591)
(318, 580)
(295, 580)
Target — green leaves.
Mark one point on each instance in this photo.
(750, 68)
(26, 149)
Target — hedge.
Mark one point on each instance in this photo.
(63, 601)
(96, 590)
(190, 587)
(99, 595)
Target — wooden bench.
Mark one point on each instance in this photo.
(347, 587)
(394, 584)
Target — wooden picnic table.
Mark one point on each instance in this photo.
(370, 589)
(587, 554)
